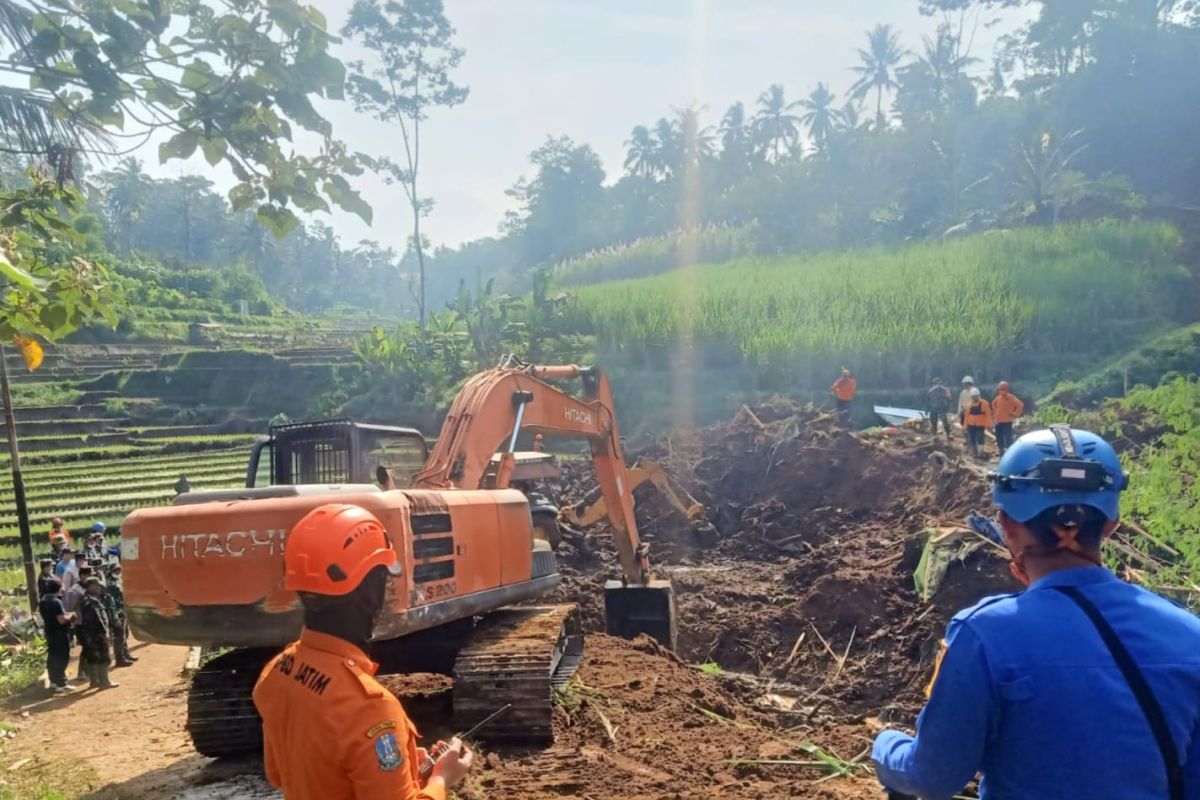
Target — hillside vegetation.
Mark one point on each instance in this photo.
(1020, 300)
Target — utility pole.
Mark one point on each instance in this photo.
(10, 426)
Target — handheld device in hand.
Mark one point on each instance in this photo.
(436, 753)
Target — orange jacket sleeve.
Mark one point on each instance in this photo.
(380, 754)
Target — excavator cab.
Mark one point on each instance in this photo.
(335, 451)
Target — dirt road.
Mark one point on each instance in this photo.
(123, 743)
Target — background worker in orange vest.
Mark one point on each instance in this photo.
(1006, 408)
(977, 418)
(330, 730)
(843, 389)
(57, 529)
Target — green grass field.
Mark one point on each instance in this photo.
(1092, 289)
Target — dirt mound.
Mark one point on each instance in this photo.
(810, 584)
(638, 723)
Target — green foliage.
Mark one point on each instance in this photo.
(1164, 490)
(659, 254)
(1178, 351)
(1004, 297)
(48, 287)
(21, 665)
(234, 82)
(710, 669)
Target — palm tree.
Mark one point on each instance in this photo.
(125, 190)
(668, 147)
(820, 116)
(695, 138)
(775, 130)
(736, 148)
(877, 71)
(641, 153)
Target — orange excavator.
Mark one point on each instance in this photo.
(207, 571)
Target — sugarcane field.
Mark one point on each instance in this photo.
(450, 400)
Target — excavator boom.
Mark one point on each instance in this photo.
(487, 416)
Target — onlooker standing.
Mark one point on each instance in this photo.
(46, 576)
(843, 389)
(95, 636)
(94, 550)
(964, 399)
(57, 529)
(978, 419)
(114, 604)
(73, 595)
(58, 543)
(56, 623)
(1006, 408)
(67, 570)
(937, 403)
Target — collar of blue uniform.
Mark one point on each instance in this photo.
(1075, 576)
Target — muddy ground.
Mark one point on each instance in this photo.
(803, 608)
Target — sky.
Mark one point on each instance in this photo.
(592, 69)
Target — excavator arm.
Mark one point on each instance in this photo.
(497, 404)
(593, 508)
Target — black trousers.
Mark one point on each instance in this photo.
(934, 416)
(58, 655)
(1004, 435)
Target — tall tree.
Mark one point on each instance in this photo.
(641, 153)
(820, 116)
(696, 139)
(668, 146)
(877, 71)
(776, 131)
(413, 54)
(736, 144)
(125, 195)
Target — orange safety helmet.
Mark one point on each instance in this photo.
(1002, 386)
(333, 548)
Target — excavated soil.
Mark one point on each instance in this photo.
(639, 723)
(805, 601)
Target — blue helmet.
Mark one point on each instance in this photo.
(99, 527)
(1057, 467)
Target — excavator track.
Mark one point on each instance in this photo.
(221, 717)
(518, 656)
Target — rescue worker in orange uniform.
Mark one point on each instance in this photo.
(330, 730)
(843, 389)
(977, 418)
(57, 529)
(1006, 408)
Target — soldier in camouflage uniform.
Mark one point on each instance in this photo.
(95, 635)
(114, 604)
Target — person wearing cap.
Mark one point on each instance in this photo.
(937, 403)
(1006, 409)
(114, 604)
(94, 549)
(57, 529)
(843, 391)
(978, 418)
(58, 543)
(1080, 686)
(45, 575)
(73, 595)
(330, 730)
(56, 625)
(95, 635)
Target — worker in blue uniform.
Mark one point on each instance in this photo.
(1080, 687)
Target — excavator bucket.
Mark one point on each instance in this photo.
(633, 609)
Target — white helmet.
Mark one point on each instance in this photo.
(968, 379)
(974, 392)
